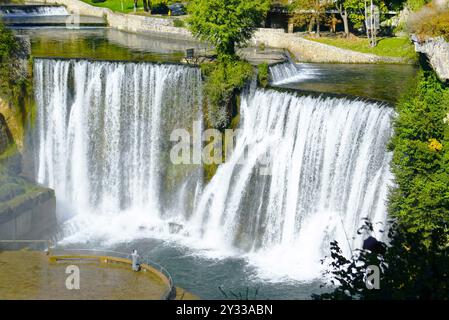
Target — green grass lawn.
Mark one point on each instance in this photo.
(125, 6)
(386, 47)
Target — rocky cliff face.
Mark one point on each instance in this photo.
(5, 135)
(27, 211)
(437, 51)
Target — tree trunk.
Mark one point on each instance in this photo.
(318, 22)
(311, 24)
(344, 17)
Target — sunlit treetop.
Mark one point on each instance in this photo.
(226, 23)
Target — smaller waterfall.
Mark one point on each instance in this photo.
(289, 72)
(312, 169)
(32, 11)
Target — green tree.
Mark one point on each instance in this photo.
(421, 157)
(342, 9)
(410, 268)
(308, 12)
(8, 78)
(226, 23)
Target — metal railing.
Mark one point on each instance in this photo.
(170, 293)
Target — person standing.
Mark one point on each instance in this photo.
(135, 261)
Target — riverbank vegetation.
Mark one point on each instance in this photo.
(225, 25)
(14, 83)
(421, 157)
(431, 20)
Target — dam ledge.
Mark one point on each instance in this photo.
(272, 86)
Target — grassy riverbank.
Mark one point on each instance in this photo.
(386, 47)
(125, 6)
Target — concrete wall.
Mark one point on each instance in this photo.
(437, 51)
(125, 22)
(28, 216)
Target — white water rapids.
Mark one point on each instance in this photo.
(314, 167)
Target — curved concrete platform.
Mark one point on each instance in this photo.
(34, 275)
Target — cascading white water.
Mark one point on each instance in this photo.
(288, 72)
(101, 136)
(23, 11)
(312, 169)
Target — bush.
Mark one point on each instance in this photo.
(8, 77)
(421, 157)
(178, 23)
(263, 75)
(415, 5)
(223, 80)
(159, 7)
(409, 268)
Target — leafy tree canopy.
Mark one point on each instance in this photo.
(226, 23)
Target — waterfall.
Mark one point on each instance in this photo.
(23, 11)
(304, 170)
(312, 169)
(289, 71)
(102, 136)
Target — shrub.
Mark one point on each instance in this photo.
(415, 5)
(8, 78)
(223, 80)
(263, 75)
(409, 268)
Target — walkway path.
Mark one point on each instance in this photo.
(30, 275)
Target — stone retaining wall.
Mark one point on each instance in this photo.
(311, 51)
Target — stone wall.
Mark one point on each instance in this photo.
(437, 52)
(311, 51)
(30, 215)
(125, 22)
(303, 49)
